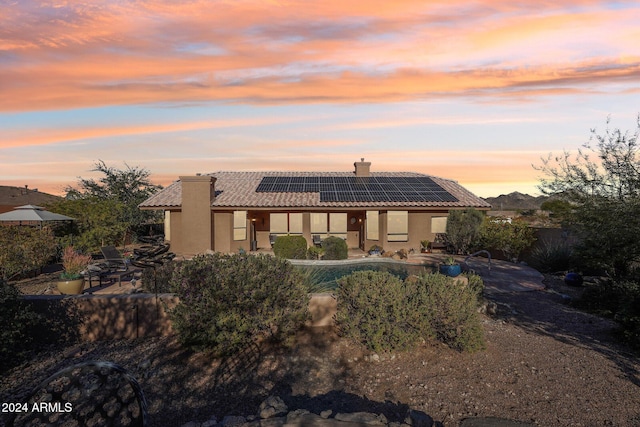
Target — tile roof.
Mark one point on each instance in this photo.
(238, 190)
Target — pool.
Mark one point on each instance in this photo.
(323, 275)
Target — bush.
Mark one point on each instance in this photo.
(229, 301)
(510, 238)
(160, 276)
(463, 229)
(290, 247)
(314, 252)
(17, 322)
(335, 248)
(384, 313)
(450, 308)
(372, 310)
(552, 256)
(24, 249)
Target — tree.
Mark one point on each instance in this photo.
(602, 185)
(463, 228)
(24, 249)
(109, 205)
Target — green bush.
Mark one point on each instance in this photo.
(372, 310)
(335, 248)
(160, 276)
(17, 322)
(24, 249)
(552, 256)
(290, 247)
(314, 252)
(450, 308)
(463, 229)
(510, 238)
(229, 301)
(384, 313)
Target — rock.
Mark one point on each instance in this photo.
(396, 256)
(273, 406)
(211, 422)
(403, 254)
(296, 415)
(374, 357)
(326, 414)
(233, 421)
(418, 419)
(363, 417)
(191, 424)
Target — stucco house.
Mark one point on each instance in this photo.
(227, 211)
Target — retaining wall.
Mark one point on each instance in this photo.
(129, 316)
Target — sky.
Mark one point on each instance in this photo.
(475, 91)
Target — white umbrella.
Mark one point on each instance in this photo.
(31, 213)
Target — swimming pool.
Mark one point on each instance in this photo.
(323, 275)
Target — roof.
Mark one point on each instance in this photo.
(238, 190)
(11, 197)
(32, 213)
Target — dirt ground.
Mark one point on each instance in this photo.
(545, 363)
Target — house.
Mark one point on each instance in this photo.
(227, 211)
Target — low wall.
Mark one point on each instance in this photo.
(106, 317)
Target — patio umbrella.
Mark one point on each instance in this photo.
(31, 213)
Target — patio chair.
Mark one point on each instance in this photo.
(317, 240)
(272, 239)
(114, 258)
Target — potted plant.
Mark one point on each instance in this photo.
(424, 246)
(375, 250)
(450, 267)
(71, 280)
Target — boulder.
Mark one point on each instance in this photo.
(363, 417)
(273, 406)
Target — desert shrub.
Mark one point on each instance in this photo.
(160, 276)
(552, 256)
(476, 285)
(617, 299)
(24, 249)
(510, 238)
(335, 248)
(463, 229)
(17, 321)
(384, 313)
(372, 310)
(290, 247)
(314, 252)
(450, 308)
(229, 301)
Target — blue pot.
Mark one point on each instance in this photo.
(450, 270)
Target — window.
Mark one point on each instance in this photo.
(397, 226)
(338, 225)
(285, 223)
(319, 224)
(240, 225)
(373, 225)
(439, 224)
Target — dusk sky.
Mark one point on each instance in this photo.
(475, 91)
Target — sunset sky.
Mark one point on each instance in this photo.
(475, 91)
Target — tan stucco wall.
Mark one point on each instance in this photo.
(223, 231)
(196, 227)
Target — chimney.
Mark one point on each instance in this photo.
(198, 192)
(362, 168)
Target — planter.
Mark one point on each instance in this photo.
(71, 287)
(450, 270)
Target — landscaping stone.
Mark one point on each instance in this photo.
(273, 406)
(233, 421)
(326, 414)
(363, 417)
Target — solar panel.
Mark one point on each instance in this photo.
(360, 189)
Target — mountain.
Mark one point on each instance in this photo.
(10, 197)
(515, 201)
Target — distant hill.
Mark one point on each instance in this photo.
(515, 201)
(10, 197)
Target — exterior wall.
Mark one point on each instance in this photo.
(223, 232)
(167, 226)
(196, 227)
(419, 229)
(175, 220)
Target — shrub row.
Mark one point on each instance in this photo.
(385, 313)
(295, 247)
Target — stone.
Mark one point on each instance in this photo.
(191, 424)
(273, 406)
(211, 422)
(326, 414)
(294, 415)
(363, 417)
(233, 421)
(418, 419)
(403, 254)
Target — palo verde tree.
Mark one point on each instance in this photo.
(602, 185)
(107, 207)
